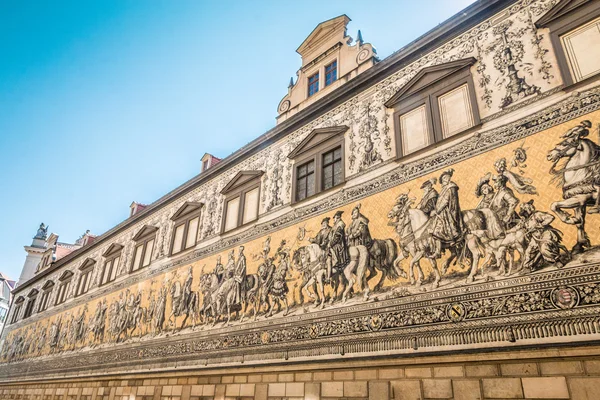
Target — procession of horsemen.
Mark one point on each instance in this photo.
(502, 233)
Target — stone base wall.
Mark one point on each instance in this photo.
(553, 373)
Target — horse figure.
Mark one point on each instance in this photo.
(209, 285)
(309, 261)
(226, 297)
(412, 226)
(579, 179)
(383, 254)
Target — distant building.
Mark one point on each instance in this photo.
(6, 287)
(424, 226)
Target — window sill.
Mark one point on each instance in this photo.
(578, 85)
(296, 202)
(461, 135)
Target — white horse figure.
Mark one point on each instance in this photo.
(412, 226)
(579, 177)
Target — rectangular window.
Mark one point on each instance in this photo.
(111, 266)
(332, 168)
(313, 84)
(232, 214)
(192, 233)
(16, 313)
(178, 238)
(139, 249)
(582, 50)
(84, 281)
(456, 114)
(44, 300)
(250, 206)
(185, 234)
(29, 307)
(331, 73)
(305, 180)
(3, 312)
(414, 130)
(63, 288)
(148, 253)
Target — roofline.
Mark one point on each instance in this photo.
(319, 24)
(445, 31)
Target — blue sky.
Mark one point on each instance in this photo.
(107, 102)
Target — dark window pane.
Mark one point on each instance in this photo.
(337, 173)
(331, 73)
(327, 177)
(311, 166)
(302, 170)
(337, 153)
(327, 158)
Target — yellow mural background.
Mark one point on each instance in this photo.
(376, 208)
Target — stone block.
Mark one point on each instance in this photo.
(519, 369)
(269, 378)
(312, 391)
(592, 367)
(437, 388)
(466, 389)
(232, 390)
(561, 368)
(295, 389)
(332, 389)
(219, 392)
(343, 375)
(214, 379)
(227, 379)
(322, 376)
(240, 379)
(208, 390)
(286, 378)
(261, 391)
(391, 373)
(448, 372)
(276, 389)
(379, 390)
(545, 388)
(366, 374)
(406, 390)
(254, 378)
(355, 389)
(303, 376)
(247, 389)
(502, 388)
(481, 370)
(420, 372)
(584, 388)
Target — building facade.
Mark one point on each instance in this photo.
(419, 227)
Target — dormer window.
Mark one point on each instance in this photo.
(331, 73)
(63, 287)
(144, 245)
(313, 84)
(242, 196)
(112, 258)
(186, 225)
(438, 103)
(85, 279)
(46, 291)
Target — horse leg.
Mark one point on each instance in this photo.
(363, 263)
(436, 273)
(379, 285)
(415, 261)
(474, 248)
(320, 292)
(448, 261)
(287, 308)
(350, 278)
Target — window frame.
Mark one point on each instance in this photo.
(30, 306)
(316, 82)
(45, 297)
(184, 218)
(334, 72)
(458, 74)
(63, 287)
(84, 281)
(113, 252)
(560, 20)
(17, 309)
(307, 151)
(234, 189)
(143, 237)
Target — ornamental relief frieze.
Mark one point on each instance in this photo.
(434, 242)
(369, 142)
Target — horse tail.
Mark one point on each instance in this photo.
(391, 254)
